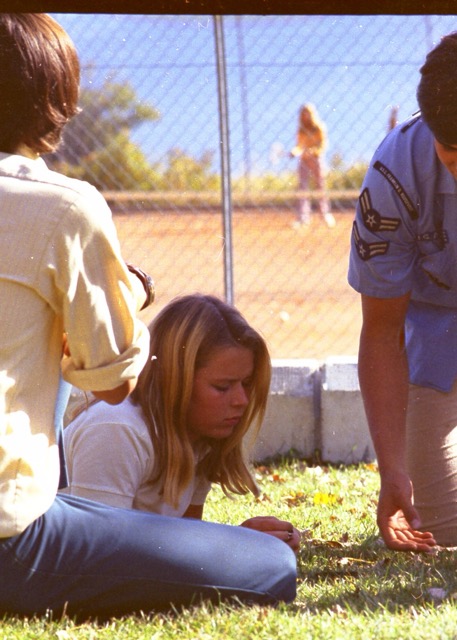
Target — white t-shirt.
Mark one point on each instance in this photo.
(110, 459)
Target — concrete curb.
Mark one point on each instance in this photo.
(316, 410)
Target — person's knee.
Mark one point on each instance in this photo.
(287, 586)
(281, 570)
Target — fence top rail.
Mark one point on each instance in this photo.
(214, 196)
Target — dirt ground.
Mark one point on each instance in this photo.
(289, 283)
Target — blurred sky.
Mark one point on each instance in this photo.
(354, 68)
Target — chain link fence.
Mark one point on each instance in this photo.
(149, 137)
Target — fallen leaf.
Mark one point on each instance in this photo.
(348, 560)
(276, 477)
(295, 498)
(317, 542)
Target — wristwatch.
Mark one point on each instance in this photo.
(146, 281)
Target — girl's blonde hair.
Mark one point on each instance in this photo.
(315, 121)
(184, 335)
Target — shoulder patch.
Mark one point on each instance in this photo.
(367, 250)
(398, 188)
(372, 219)
(414, 118)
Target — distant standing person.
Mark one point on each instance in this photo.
(311, 142)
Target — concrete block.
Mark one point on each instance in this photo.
(344, 432)
(290, 418)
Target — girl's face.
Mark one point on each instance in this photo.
(220, 393)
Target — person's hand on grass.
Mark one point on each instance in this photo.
(398, 520)
(277, 528)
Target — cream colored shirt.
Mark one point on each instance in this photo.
(60, 269)
(110, 459)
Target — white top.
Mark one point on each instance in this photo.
(110, 459)
(60, 269)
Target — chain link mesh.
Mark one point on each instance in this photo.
(148, 137)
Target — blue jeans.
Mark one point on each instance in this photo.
(88, 559)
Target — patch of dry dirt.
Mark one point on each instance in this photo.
(289, 283)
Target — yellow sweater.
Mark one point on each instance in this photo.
(309, 142)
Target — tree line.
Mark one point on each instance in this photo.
(97, 147)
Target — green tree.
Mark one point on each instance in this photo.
(341, 177)
(120, 166)
(105, 111)
(96, 143)
(184, 173)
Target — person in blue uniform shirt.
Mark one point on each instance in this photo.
(403, 262)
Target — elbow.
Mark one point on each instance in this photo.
(118, 394)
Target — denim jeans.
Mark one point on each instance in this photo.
(91, 560)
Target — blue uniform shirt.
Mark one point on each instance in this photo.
(404, 238)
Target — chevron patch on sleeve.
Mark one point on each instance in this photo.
(372, 219)
(367, 250)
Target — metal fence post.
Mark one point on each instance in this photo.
(225, 158)
(244, 105)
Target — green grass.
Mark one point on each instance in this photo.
(350, 586)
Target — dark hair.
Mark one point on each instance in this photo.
(39, 81)
(437, 90)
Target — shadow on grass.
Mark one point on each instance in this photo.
(367, 576)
